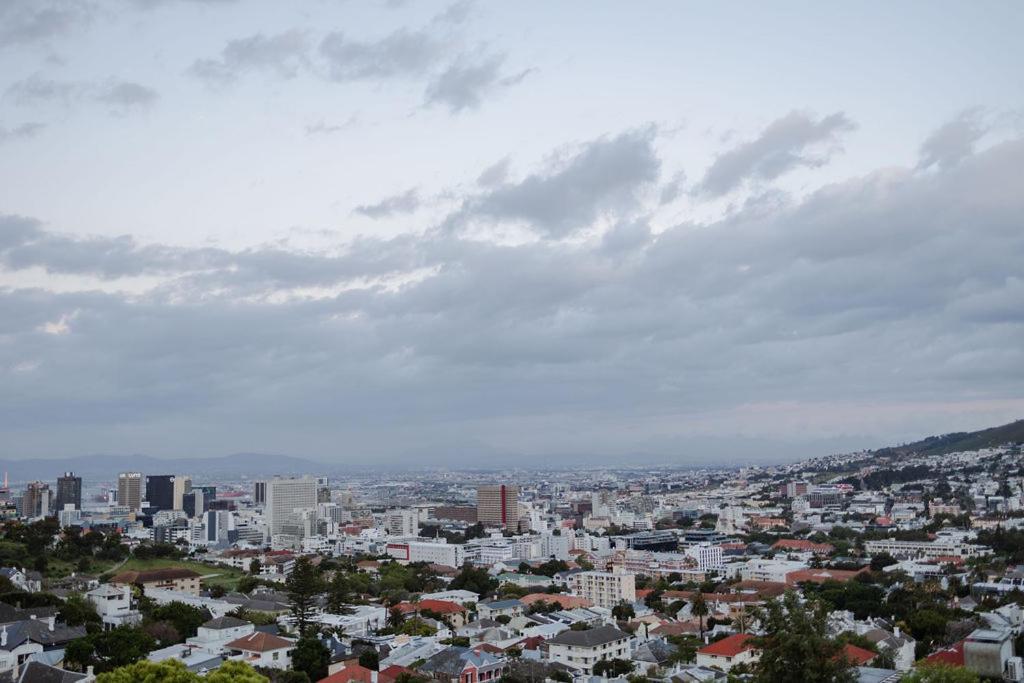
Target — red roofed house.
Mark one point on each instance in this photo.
(821, 575)
(360, 674)
(263, 649)
(857, 656)
(728, 652)
(452, 611)
(802, 546)
(951, 656)
(561, 599)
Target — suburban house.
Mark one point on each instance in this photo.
(114, 605)
(172, 578)
(215, 634)
(462, 665)
(263, 649)
(728, 652)
(580, 650)
(498, 608)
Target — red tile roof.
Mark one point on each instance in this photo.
(730, 646)
(857, 656)
(258, 641)
(803, 546)
(352, 672)
(821, 575)
(951, 656)
(564, 601)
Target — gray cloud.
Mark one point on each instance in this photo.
(793, 141)
(456, 13)
(465, 83)
(953, 141)
(32, 21)
(119, 95)
(406, 202)
(895, 287)
(605, 175)
(282, 55)
(20, 132)
(401, 54)
(126, 95)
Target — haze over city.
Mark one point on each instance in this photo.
(476, 234)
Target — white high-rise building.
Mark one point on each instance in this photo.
(709, 557)
(287, 500)
(604, 589)
(401, 523)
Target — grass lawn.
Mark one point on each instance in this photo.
(218, 575)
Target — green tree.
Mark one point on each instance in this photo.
(77, 610)
(107, 650)
(173, 671)
(613, 668)
(623, 611)
(941, 673)
(699, 609)
(255, 567)
(311, 656)
(339, 592)
(303, 585)
(185, 619)
(795, 648)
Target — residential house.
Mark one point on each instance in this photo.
(462, 665)
(728, 652)
(580, 650)
(263, 649)
(178, 579)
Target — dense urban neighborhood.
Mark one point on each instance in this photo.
(902, 564)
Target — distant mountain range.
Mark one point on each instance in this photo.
(107, 466)
(960, 441)
(256, 465)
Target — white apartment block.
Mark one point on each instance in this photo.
(401, 523)
(604, 589)
(709, 558)
(447, 554)
(769, 570)
(287, 500)
(925, 549)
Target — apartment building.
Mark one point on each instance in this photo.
(129, 490)
(941, 547)
(581, 650)
(498, 505)
(604, 589)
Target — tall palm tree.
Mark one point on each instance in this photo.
(700, 609)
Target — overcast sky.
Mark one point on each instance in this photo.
(440, 233)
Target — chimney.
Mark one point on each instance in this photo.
(89, 671)
(896, 631)
(52, 621)
(3, 636)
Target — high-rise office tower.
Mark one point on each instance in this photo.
(287, 499)
(69, 491)
(182, 485)
(129, 490)
(36, 500)
(498, 505)
(160, 492)
(259, 494)
(196, 503)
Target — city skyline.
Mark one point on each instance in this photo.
(433, 234)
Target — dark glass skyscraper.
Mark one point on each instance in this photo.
(69, 492)
(160, 491)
